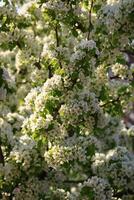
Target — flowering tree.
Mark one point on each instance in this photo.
(64, 89)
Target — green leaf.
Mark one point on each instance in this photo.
(88, 192)
(96, 8)
(74, 32)
(103, 94)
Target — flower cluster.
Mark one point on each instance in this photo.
(72, 149)
(97, 188)
(117, 13)
(81, 49)
(6, 132)
(116, 165)
(24, 152)
(119, 70)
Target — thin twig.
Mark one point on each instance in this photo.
(57, 36)
(113, 101)
(50, 74)
(74, 181)
(57, 43)
(110, 102)
(1, 156)
(90, 19)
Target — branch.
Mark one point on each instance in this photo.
(38, 63)
(121, 25)
(90, 20)
(109, 102)
(74, 181)
(122, 193)
(57, 43)
(1, 156)
(115, 100)
(57, 36)
(50, 74)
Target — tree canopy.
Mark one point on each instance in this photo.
(65, 88)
